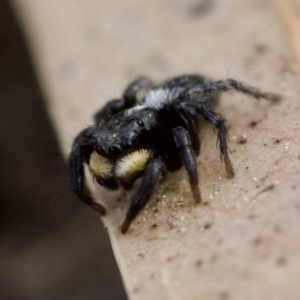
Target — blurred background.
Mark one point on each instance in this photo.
(50, 241)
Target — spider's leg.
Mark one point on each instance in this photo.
(131, 97)
(153, 175)
(188, 157)
(227, 85)
(81, 150)
(192, 128)
(218, 123)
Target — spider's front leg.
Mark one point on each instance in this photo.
(153, 175)
(81, 150)
(132, 95)
(217, 122)
(188, 158)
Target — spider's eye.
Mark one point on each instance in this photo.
(140, 123)
(99, 150)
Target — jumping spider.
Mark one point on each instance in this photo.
(152, 129)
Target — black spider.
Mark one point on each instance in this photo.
(150, 130)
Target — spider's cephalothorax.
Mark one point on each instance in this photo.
(150, 130)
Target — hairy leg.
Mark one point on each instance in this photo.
(226, 85)
(188, 157)
(192, 127)
(81, 150)
(152, 177)
(218, 123)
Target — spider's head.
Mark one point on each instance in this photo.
(122, 145)
(126, 131)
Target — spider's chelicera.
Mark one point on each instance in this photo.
(150, 130)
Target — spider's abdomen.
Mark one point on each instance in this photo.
(164, 94)
(160, 97)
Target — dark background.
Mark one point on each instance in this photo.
(52, 246)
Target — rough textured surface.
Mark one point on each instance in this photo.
(244, 242)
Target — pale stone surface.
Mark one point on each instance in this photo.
(244, 243)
